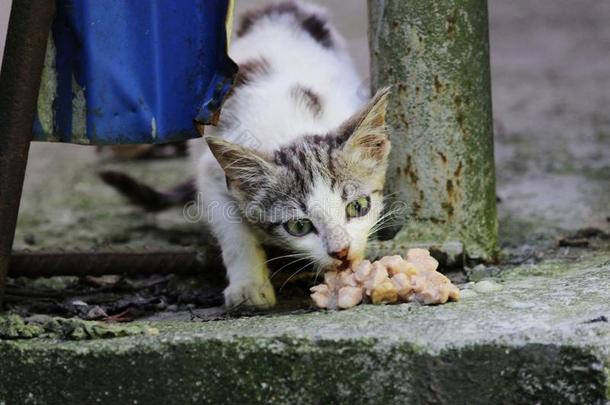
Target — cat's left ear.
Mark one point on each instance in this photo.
(366, 131)
(245, 168)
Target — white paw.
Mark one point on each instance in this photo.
(250, 293)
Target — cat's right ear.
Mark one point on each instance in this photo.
(365, 135)
(244, 168)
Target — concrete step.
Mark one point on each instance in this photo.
(543, 338)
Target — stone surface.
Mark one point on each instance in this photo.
(15, 327)
(541, 338)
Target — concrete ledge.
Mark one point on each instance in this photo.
(542, 338)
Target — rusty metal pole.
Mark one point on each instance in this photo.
(436, 57)
(45, 263)
(26, 40)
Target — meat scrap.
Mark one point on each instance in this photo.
(389, 280)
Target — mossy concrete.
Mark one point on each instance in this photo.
(542, 338)
(15, 327)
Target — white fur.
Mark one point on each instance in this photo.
(264, 115)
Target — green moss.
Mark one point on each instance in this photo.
(79, 114)
(48, 92)
(15, 327)
(282, 370)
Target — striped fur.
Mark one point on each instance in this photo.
(313, 23)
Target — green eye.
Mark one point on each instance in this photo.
(359, 207)
(298, 227)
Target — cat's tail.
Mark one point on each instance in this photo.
(147, 197)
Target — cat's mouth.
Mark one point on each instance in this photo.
(343, 265)
(329, 264)
(339, 265)
(353, 259)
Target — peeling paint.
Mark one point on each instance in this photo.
(48, 91)
(438, 86)
(79, 114)
(451, 24)
(153, 128)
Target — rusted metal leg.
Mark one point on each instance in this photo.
(26, 40)
(436, 57)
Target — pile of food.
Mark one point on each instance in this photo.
(389, 280)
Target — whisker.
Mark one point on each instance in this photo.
(284, 256)
(294, 274)
(384, 217)
(318, 271)
(372, 233)
(381, 224)
(387, 196)
(288, 264)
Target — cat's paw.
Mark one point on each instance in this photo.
(257, 294)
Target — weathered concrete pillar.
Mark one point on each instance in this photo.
(435, 54)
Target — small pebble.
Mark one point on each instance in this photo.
(96, 312)
(467, 286)
(486, 286)
(481, 272)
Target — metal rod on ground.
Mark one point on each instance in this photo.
(128, 262)
(436, 58)
(26, 40)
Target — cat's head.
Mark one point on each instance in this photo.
(321, 195)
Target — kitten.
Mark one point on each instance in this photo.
(297, 161)
(295, 152)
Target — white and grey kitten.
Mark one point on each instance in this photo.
(296, 152)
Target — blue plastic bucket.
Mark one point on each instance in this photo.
(124, 72)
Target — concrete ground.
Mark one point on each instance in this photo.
(544, 337)
(541, 339)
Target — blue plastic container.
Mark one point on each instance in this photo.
(133, 71)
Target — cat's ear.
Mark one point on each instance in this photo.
(244, 168)
(365, 134)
